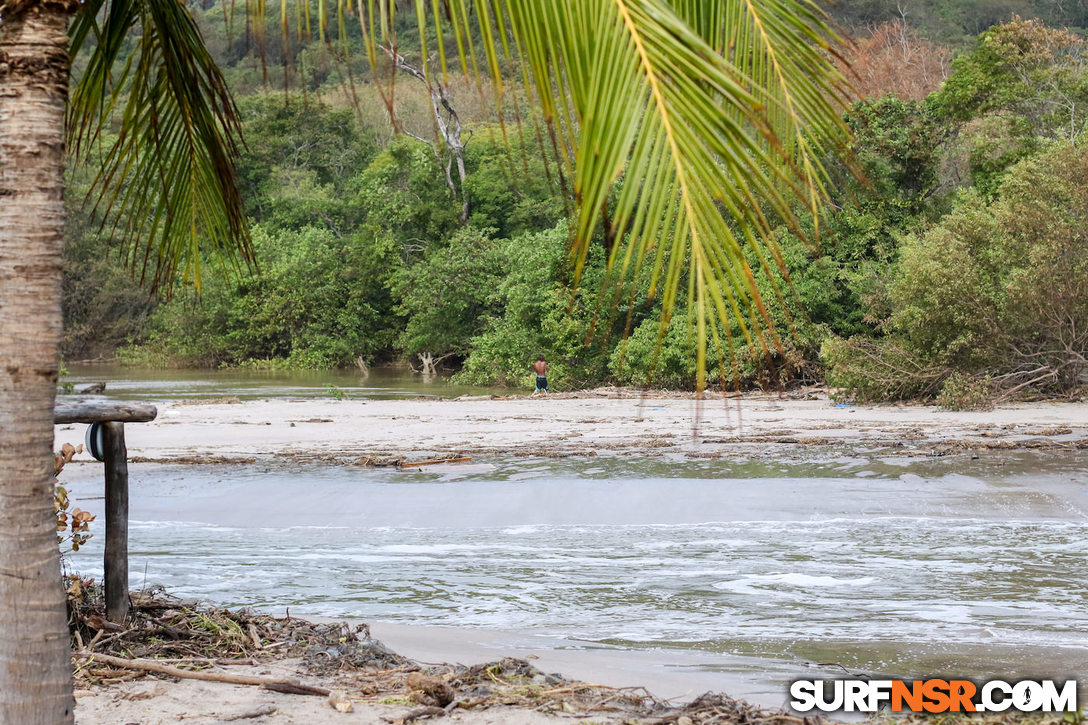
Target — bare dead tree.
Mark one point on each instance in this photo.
(449, 147)
(896, 59)
(429, 363)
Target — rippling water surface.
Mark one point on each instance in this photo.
(889, 566)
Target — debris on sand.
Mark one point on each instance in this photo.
(167, 637)
(229, 400)
(434, 461)
(403, 463)
(171, 631)
(195, 460)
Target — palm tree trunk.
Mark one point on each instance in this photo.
(35, 666)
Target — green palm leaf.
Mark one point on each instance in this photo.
(167, 180)
(688, 124)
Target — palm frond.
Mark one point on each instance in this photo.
(693, 124)
(167, 178)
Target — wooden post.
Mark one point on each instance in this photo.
(113, 416)
(104, 412)
(115, 560)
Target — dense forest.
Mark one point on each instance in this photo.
(951, 268)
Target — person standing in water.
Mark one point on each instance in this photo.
(541, 368)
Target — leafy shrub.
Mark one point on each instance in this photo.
(539, 314)
(318, 301)
(997, 290)
(872, 370)
(769, 362)
(964, 392)
(447, 297)
(73, 524)
(647, 360)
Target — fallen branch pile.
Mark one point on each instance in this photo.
(167, 637)
(166, 629)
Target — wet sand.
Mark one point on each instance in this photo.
(670, 675)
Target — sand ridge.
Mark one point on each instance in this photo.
(557, 426)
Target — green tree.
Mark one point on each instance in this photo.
(302, 162)
(897, 146)
(318, 301)
(1023, 84)
(445, 297)
(507, 185)
(996, 292)
(681, 125)
(406, 200)
(537, 311)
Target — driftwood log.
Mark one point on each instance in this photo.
(291, 687)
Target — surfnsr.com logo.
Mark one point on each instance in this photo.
(933, 696)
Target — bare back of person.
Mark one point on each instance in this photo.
(541, 368)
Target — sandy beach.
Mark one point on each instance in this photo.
(605, 422)
(155, 702)
(158, 702)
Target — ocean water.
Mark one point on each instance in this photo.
(898, 566)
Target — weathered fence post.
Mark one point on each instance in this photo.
(113, 417)
(115, 560)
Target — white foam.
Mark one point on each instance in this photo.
(792, 579)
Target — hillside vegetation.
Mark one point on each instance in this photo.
(954, 269)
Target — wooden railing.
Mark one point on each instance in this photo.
(113, 417)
